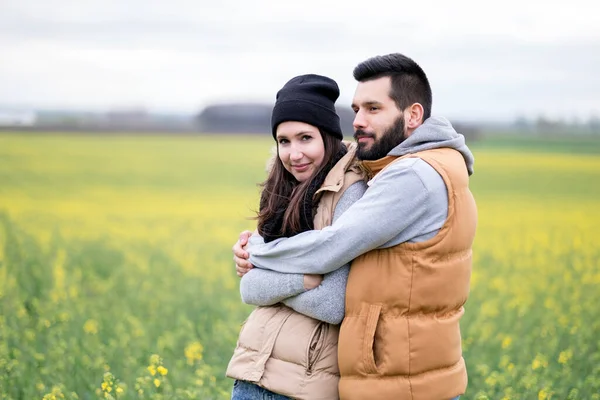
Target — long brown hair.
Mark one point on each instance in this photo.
(282, 191)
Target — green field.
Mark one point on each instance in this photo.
(116, 276)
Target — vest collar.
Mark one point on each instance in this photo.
(373, 167)
(335, 178)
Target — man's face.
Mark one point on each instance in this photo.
(379, 124)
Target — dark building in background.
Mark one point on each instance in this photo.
(251, 118)
(235, 118)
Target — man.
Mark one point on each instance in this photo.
(410, 237)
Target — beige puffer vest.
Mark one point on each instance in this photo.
(287, 352)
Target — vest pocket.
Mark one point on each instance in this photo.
(315, 346)
(369, 338)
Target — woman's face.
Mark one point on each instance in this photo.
(300, 148)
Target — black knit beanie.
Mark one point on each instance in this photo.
(310, 99)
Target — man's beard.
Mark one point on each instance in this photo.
(391, 138)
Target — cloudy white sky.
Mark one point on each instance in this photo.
(484, 60)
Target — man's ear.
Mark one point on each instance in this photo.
(413, 116)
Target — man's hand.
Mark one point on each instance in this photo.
(311, 281)
(240, 255)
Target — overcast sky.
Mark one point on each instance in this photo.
(484, 60)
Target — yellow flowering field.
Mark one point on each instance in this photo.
(116, 278)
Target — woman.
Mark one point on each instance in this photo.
(287, 347)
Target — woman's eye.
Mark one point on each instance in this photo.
(306, 137)
(283, 141)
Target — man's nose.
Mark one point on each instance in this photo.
(359, 121)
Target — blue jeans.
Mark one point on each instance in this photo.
(243, 390)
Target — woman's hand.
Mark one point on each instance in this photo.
(311, 281)
(240, 255)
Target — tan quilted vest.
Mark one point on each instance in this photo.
(287, 352)
(400, 338)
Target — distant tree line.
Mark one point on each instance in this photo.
(225, 118)
(543, 124)
(256, 118)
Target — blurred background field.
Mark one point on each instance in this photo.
(116, 276)
(118, 209)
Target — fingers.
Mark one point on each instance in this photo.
(242, 270)
(244, 237)
(240, 255)
(242, 262)
(239, 252)
(242, 266)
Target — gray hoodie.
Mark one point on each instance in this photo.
(435, 133)
(407, 202)
(262, 287)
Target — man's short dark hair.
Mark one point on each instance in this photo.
(409, 82)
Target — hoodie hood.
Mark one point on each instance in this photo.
(435, 133)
